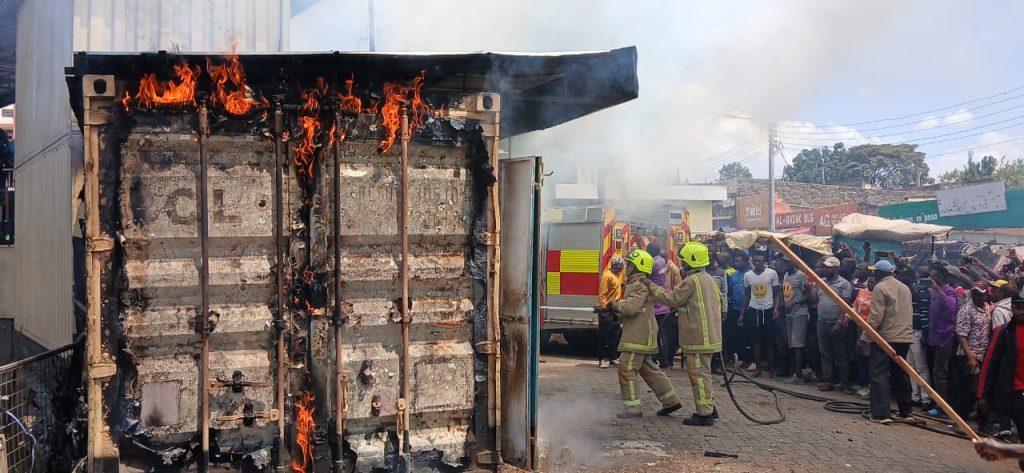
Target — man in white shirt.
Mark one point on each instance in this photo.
(760, 310)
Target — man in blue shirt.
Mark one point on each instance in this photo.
(732, 333)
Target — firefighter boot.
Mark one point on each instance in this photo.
(699, 420)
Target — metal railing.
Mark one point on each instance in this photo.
(38, 404)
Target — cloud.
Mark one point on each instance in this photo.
(993, 143)
(961, 116)
(927, 123)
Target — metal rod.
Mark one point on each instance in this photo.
(875, 337)
(282, 265)
(202, 318)
(340, 387)
(403, 410)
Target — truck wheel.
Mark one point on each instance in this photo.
(582, 340)
(545, 340)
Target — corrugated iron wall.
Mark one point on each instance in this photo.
(181, 25)
(48, 161)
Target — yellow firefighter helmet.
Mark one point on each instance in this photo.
(642, 260)
(695, 255)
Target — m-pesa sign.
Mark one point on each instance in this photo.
(820, 217)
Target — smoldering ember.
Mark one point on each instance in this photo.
(390, 236)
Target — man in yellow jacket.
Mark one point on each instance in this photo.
(700, 326)
(639, 342)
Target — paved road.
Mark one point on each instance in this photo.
(578, 402)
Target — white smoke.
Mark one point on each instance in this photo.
(698, 62)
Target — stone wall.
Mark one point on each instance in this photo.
(809, 196)
(800, 195)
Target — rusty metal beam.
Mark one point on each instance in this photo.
(282, 264)
(101, 452)
(203, 317)
(340, 378)
(403, 402)
(875, 337)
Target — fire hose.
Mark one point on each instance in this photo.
(831, 405)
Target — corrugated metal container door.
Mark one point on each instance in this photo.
(161, 246)
(520, 180)
(440, 225)
(181, 25)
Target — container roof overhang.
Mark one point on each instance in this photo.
(538, 90)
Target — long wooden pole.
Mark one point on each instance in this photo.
(875, 337)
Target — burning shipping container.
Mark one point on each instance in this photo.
(316, 262)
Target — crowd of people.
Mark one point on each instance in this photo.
(957, 326)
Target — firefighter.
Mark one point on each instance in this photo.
(608, 324)
(639, 342)
(700, 327)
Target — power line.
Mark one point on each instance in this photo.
(973, 148)
(943, 125)
(880, 120)
(746, 158)
(927, 140)
(725, 157)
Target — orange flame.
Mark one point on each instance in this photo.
(154, 93)
(304, 428)
(311, 104)
(322, 86)
(126, 100)
(395, 95)
(349, 102)
(332, 136)
(419, 108)
(304, 150)
(234, 102)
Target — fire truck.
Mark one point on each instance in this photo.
(579, 244)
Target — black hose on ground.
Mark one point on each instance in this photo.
(832, 405)
(728, 388)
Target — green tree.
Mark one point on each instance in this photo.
(734, 170)
(1011, 172)
(972, 171)
(889, 166)
(822, 165)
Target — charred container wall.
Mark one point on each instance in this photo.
(150, 207)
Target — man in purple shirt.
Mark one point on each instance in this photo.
(942, 327)
(668, 332)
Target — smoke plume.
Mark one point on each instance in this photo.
(698, 62)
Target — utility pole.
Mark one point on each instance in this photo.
(771, 178)
(373, 43)
(823, 168)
